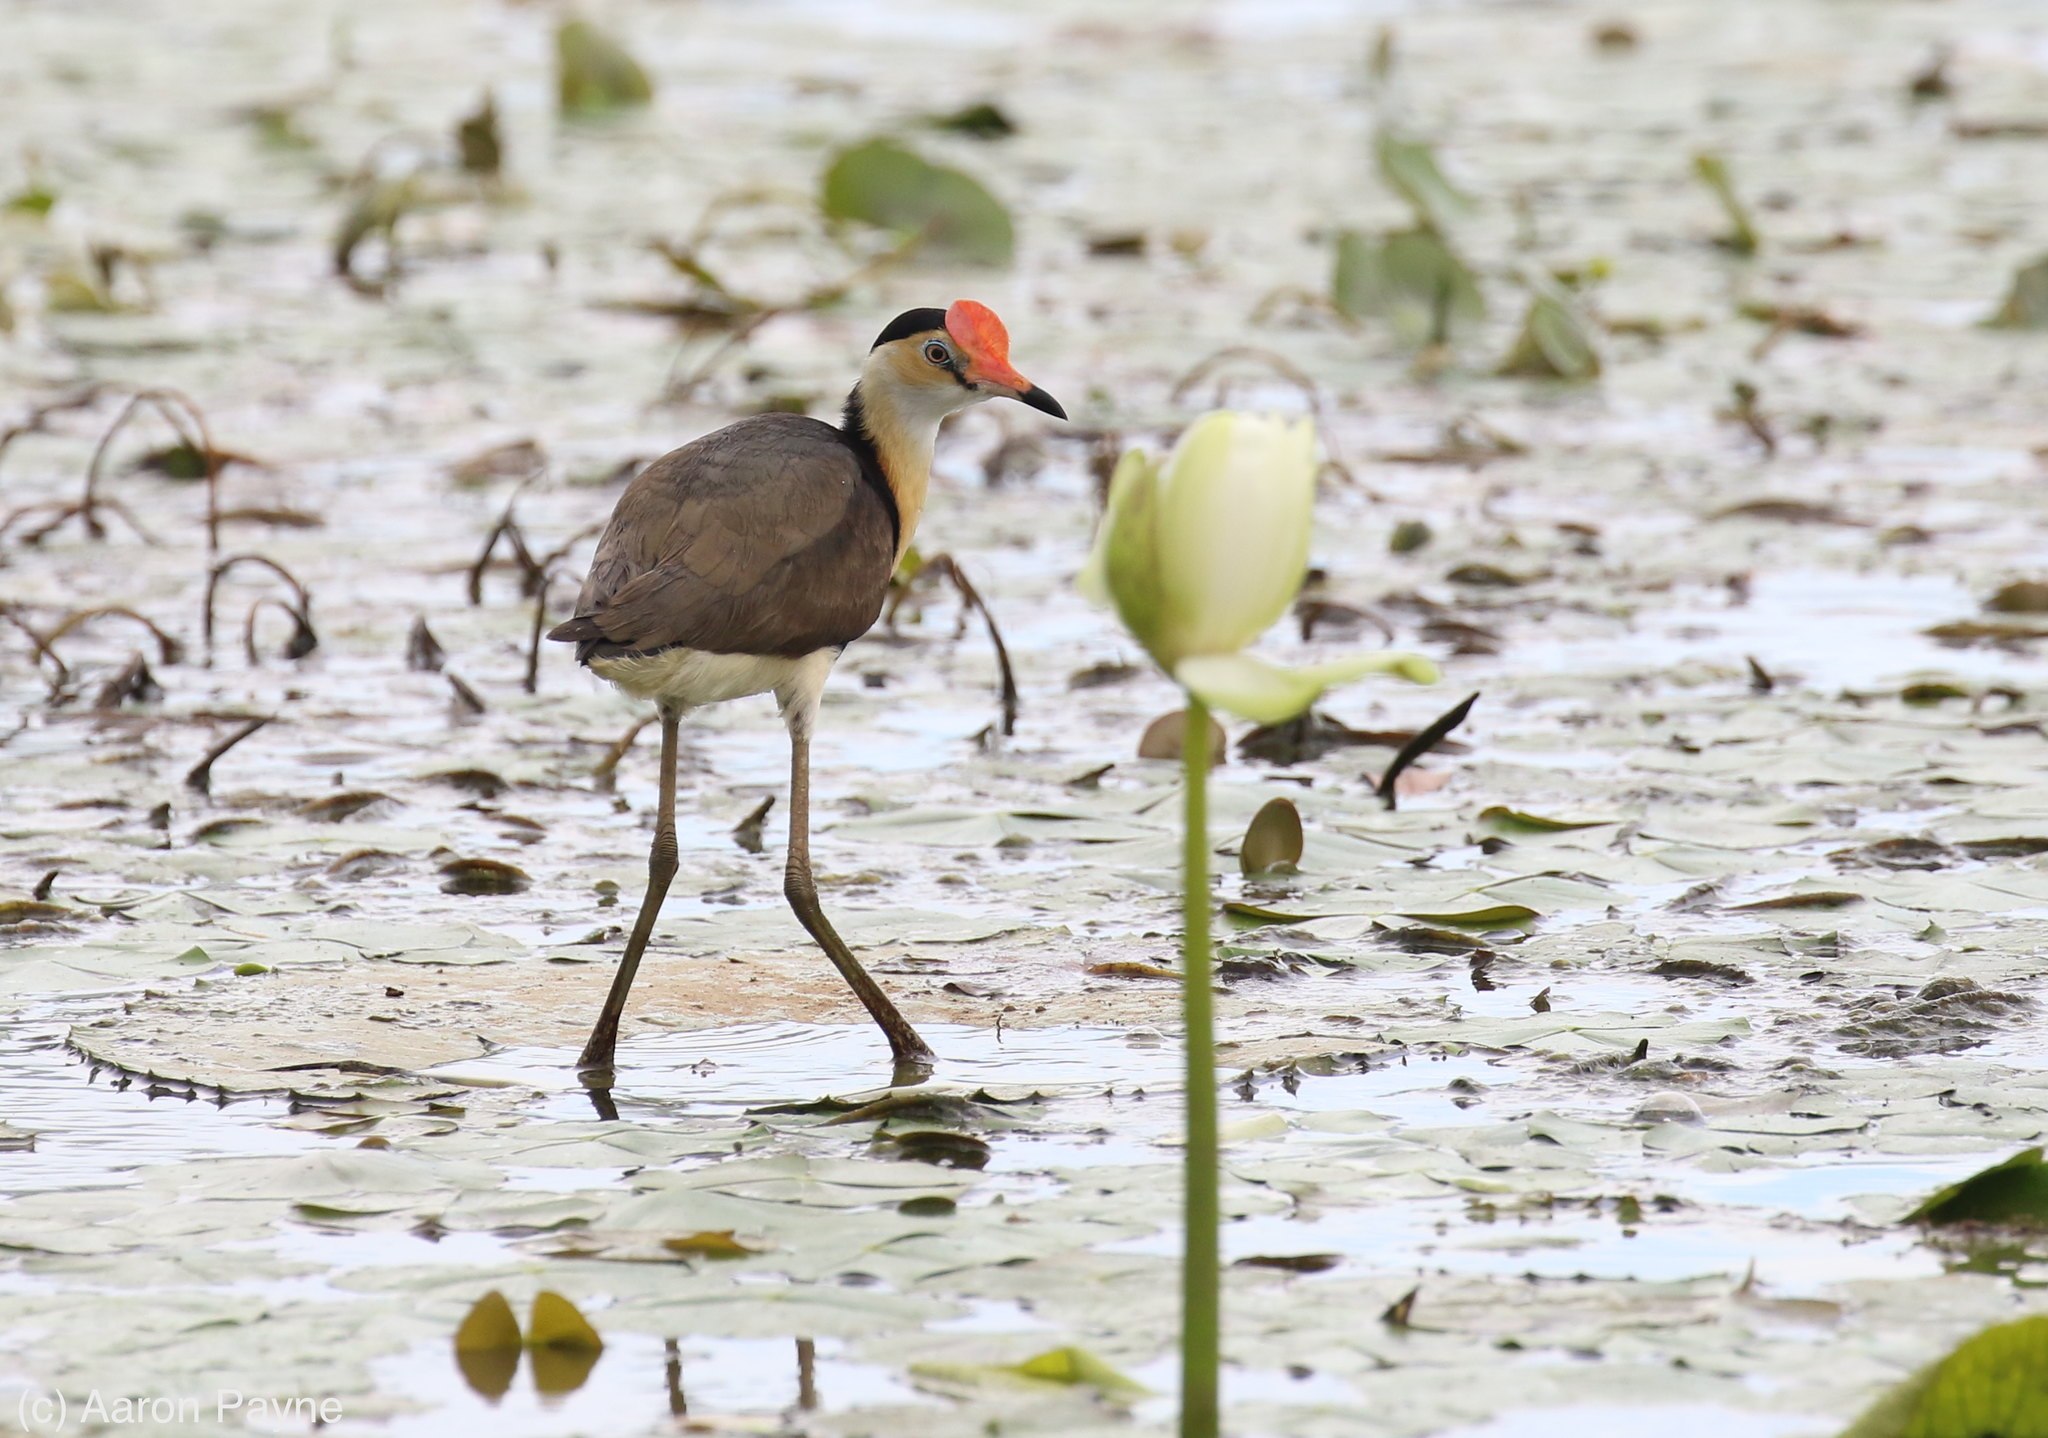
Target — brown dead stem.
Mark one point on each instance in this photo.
(185, 419)
(304, 639)
(685, 389)
(170, 649)
(943, 566)
(1285, 368)
(301, 606)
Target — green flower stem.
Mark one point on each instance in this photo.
(1201, 1323)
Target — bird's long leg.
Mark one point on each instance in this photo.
(913, 1057)
(661, 867)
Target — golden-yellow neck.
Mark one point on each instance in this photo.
(903, 424)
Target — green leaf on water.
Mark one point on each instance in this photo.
(1489, 916)
(709, 1244)
(33, 199)
(1502, 817)
(1410, 168)
(595, 73)
(243, 971)
(1066, 1367)
(1253, 914)
(558, 1323)
(983, 120)
(884, 183)
(2014, 1192)
(1273, 843)
(477, 138)
(1411, 278)
(1994, 1385)
(1554, 342)
(1078, 1367)
(2026, 304)
(487, 1346)
(1742, 237)
(489, 1325)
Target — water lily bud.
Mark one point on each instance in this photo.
(1202, 554)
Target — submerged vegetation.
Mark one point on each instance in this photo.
(1651, 1036)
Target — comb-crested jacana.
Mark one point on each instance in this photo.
(744, 562)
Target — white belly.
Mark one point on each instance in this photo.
(689, 678)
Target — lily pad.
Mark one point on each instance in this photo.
(1410, 168)
(558, 1323)
(2026, 304)
(1273, 843)
(950, 213)
(594, 73)
(1741, 238)
(1555, 341)
(1411, 278)
(2014, 1192)
(1500, 816)
(1995, 1385)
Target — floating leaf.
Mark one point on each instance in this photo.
(1553, 343)
(1502, 817)
(594, 73)
(1064, 1367)
(25, 911)
(1265, 913)
(1819, 899)
(483, 876)
(1485, 576)
(376, 208)
(983, 120)
(1411, 278)
(1292, 1262)
(2022, 596)
(1408, 536)
(1788, 511)
(1132, 969)
(1273, 843)
(1162, 738)
(883, 183)
(1079, 1368)
(1410, 168)
(2026, 304)
(1490, 916)
(1702, 969)
(718, 1243)
(476, 138)
(487, 1346)
(32, 199)
(558, 1323)
(489, 1325)
(70, 291)
(333, 808)
(2014, 1192)
(1994, 1385)
(1741, 238)
(1401, 1311)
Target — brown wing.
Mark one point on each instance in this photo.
(766, 537)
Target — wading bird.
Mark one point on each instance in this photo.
(744, 562)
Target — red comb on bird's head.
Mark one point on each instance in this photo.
(976, 330)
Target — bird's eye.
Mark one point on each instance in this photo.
(937, 353)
